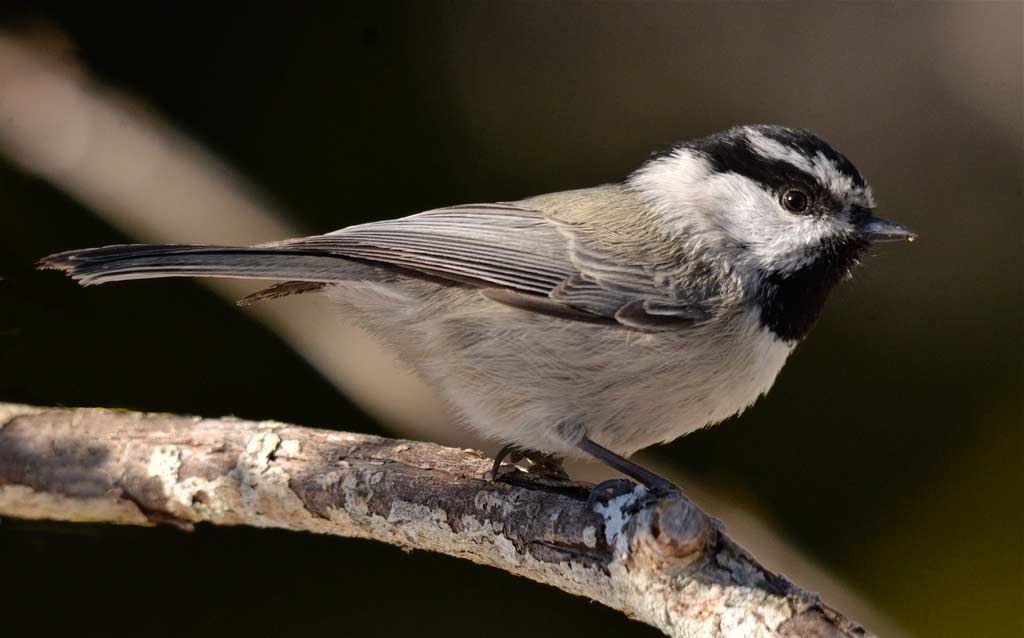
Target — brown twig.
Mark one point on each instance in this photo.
(663, 562)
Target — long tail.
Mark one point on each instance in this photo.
(142, 261)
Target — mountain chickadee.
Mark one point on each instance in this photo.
(593, 322)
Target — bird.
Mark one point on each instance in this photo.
(586, 323)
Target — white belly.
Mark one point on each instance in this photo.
(626, 390)
(533, 380)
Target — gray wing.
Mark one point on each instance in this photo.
(519, 257)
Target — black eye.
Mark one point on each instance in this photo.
(795, 200)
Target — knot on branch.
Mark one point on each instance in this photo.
(661, 560)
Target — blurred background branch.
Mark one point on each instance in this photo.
(120, 159)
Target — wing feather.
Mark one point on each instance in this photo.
(518, 256)
(541, 263)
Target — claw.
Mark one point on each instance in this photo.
(547, 466)
(500, 456)
(612, 488)
(542, 465)
(503, 473)
(607, 490)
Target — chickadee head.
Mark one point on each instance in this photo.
(777, 207)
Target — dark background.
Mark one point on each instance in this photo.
(889, 450)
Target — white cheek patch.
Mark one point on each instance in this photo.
(775, 238)
(729, 213)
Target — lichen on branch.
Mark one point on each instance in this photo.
(661, 561)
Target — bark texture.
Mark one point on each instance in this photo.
(663, 562)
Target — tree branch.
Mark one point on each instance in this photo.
(663, 562)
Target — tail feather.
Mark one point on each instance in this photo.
(142, 261)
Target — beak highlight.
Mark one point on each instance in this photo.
(877, 229)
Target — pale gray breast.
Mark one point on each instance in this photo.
(516, 375)
(657, 387)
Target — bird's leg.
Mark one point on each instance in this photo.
(657, 485)
(541, 463)
(651, 480)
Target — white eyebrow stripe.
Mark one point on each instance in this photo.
(820, 167)
(774, 150)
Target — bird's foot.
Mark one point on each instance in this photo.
(657, 487)
(542, 464)
(546, 465)
(605, 491)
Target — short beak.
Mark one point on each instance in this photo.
(876, 229)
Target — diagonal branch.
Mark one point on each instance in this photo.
(665, 562)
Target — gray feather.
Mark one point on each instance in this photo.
(139, 261)
(525, 252)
